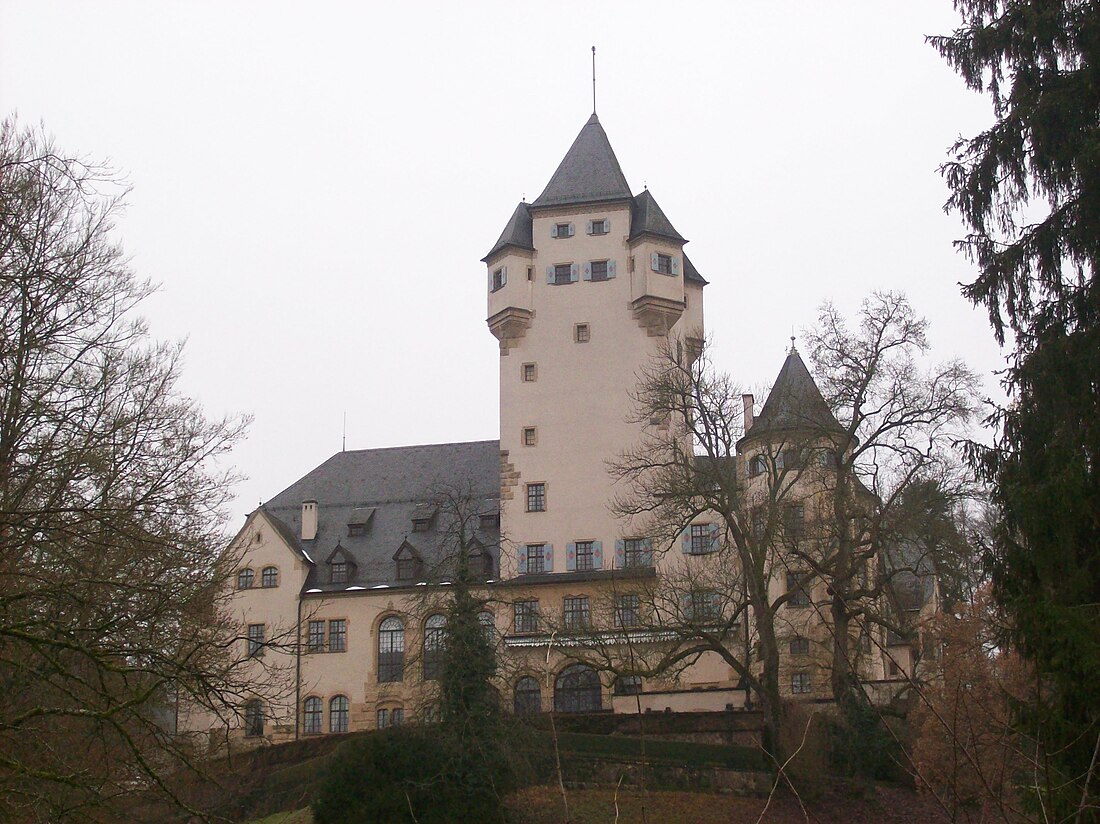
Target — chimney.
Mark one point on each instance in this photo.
(747, 400)
(309, 520)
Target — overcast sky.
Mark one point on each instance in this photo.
(314, 184)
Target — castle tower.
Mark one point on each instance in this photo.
(584, 283)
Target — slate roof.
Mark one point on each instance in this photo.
(795, 403)
(691, 274)
(646, 217)
(396, 483)
(589, 173)
(517, 233)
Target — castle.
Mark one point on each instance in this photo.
(585, 285)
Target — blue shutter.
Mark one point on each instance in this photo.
(676, 266)
(521, 559)
(685, 605)
(653, 262)
(490, 280)
(716, 605)
(620, 554)
(588, 271)
(597, 555)
(590, 227)
(548, 557)
(554, 230)
(574, 271)
(549, 274)
(647, 556)
(610, 269)
(570, 557)
(685, 540)
(714, 533)
(571, 230)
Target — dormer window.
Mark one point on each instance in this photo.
(410, 566)
(599, 227)
(356, 530)
(421, 524)
(359, 520)
(489, 521)
(339, 572)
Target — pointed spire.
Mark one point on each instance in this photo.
(795, 403)
(589, 173)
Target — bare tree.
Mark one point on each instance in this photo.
(112, 568)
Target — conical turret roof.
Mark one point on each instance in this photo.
(589, 173)
(646, 217)
(517, 233)
(795, 403)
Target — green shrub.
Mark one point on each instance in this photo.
(376, 779)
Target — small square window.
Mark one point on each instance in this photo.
(599, 269)
(800, 645)
(355, 530)
(563, 229)
(628, 685)
(490, 520)
(563, 273)
(499, 278)
(800, 683)
(530, 373)
(664, 264)
(581, 333)
(599, 227)
(421, 524)
(530, 436)
(536, 497)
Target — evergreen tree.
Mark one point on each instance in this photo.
(1028, 187)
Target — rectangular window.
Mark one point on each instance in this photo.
(703, 606)
(489, 521)
(581, 333)
(800, 598)
(526, 616)
(599, 269)
(536, 497)
(800, 645)
(355, 530)
(563, 273)
(895, 670)
(383, 719)
(584, 556)
(636, 553)
(664, 264)
(530, 272)
(628, 685)
(337, 635)
(315, 640)
(794, 521)
(498, 279)
(397, 717)
(575, 614)
(529, 436)
(421, 524)
(530, 373)
(536, 559)
(700, 539)
(253, 718)
(792, 458)
(800, 683)
(563, 229)
(407, 568)
(627, 608)
(599, 227)
(339, 572)
(255, 640)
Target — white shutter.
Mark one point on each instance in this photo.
(574, 272)
(610, 269)
(675, 265)
(590, 226)
(549, 274)
(654, 261)
(588, 271)
(554, 230)
(503, 275)
(571, 227)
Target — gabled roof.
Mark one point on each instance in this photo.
(396, 484)
(794, 404)
(646, 217)
(589, 173)
(517, 233)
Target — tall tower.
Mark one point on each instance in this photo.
(583, 284)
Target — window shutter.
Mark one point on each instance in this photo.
(574, 271)
(610, 269)
(685, 540)
(503, 275)
(588, 271)
(548, 557)
(550, 274)
(653, 262)
(685, 605)
(714, 532)
(716, 605)
(620, 554)
(597, 555)
(590, 227)
(521, 559)
(570, 557)
(647, 558)
(571, 227)
(554, 230)
(676, 266)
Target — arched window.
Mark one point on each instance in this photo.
(577, 689)
(245, 579)
(269, 577)
(488, 626)
(338, 714)
(757, 466)
(527, 696)
(311, 716)
(435, 641)
(254, 717)
(391, 650)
